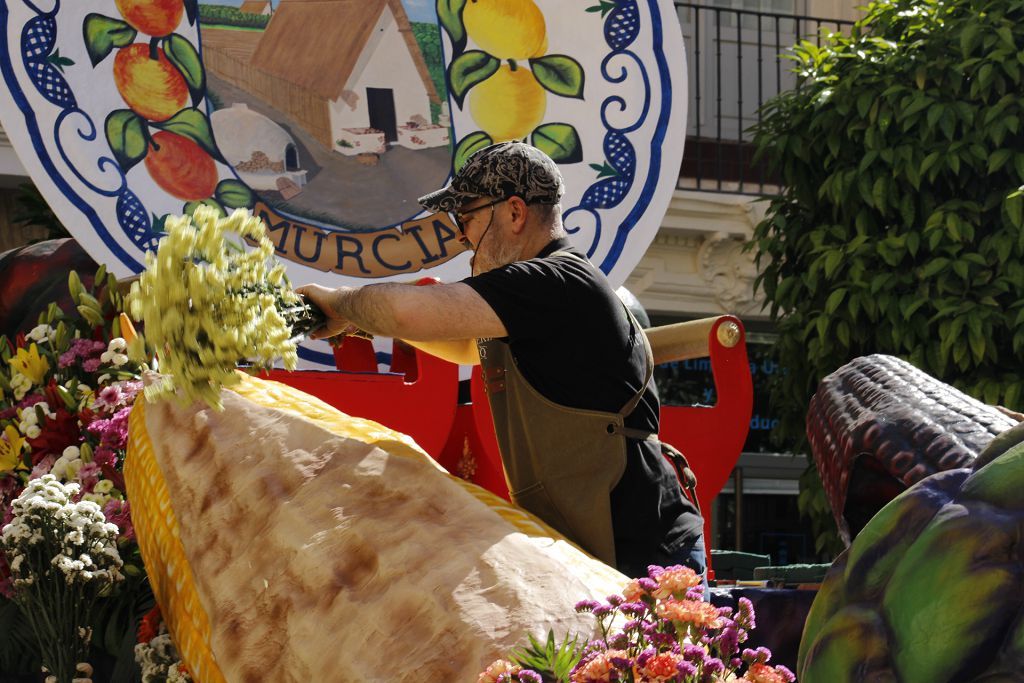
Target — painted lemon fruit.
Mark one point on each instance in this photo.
(155, 18)
(506, 29)
(181, 167)
(153, 88)
(509, 104)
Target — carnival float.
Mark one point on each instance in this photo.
(192, 490)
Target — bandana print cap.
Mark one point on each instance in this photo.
(507, 169)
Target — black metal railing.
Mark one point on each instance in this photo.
(734, 65)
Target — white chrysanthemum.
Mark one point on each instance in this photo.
(82, 545)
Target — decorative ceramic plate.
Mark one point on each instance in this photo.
(328, 118)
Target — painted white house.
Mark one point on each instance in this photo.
(361, 58)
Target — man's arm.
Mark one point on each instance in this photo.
(441, 313)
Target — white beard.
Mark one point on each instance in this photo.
(493, 254)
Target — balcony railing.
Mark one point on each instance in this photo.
(734, 61)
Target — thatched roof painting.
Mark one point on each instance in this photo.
(316, 43)
(255, 7)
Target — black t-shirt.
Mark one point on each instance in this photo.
(574, 343)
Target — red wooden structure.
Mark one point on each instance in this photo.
(419, 398)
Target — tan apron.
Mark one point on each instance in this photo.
(560, 463)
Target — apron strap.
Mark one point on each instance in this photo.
(687, 479)
(649, 360)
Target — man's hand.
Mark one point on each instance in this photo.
(326, 300)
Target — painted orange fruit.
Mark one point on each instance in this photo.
(509, 104)
(152, 88)
(155, 18)
(181, 167)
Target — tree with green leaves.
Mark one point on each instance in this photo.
(899, 226)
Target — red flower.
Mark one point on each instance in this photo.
(149, 625)
(57, 433)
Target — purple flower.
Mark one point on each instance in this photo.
(745, 614)
(615, 600)
(645, 656)
(587, 605)
(785, 673)
(528, 676)
(647, 584)
(728, 641)
(759, 656)
(91, 365)
(713, 665)
(686, 669)
(694, 653)
(621, 662)
(602, 610)
(633, 609)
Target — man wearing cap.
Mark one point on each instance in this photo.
(566, 367)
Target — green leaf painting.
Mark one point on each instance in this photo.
(449, 13)
(559, 74)
(181, 53)
(127, 137)
(560, 141)
(193, 124)
(467, 70)
(102, 34)
(234, 194)
(467, 145)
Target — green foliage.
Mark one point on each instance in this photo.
(899, 229)
(552, 661)
(428, 37)
(225, 15)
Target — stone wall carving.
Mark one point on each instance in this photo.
(696, 266)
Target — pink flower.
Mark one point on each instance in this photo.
(687, 612)
(109, 396)
(44, 466)
(118, 512)
(88, 475)
(104, 457)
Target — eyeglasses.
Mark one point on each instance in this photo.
(459, 217)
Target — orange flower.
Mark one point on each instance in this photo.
(675, 581)
(500, 666)
(661, 667)
(684, 612)
(599, 668)
(762, 673)
(633, 591)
